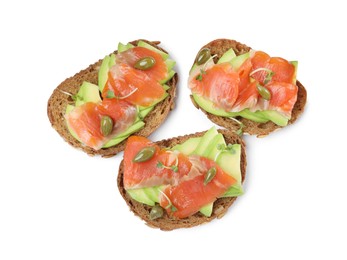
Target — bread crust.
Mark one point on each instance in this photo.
(59, 100)
(219, 47)
(220, 207)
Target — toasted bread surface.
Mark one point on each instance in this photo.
(220, 207)
(219, 47)
(60, 99)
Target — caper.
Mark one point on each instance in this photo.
(106, 125)
(264, 92)
(156, 212)
(145, 154)
(145, 63)
(203, 56)
(210, 175)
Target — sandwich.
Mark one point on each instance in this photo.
(244, 90)
(184, 181)
(131, 91)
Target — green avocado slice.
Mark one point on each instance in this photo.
(169, 76)
(188, 146)
(148, 46)
(124, 47)
(205, 141)
(170, 64)
(207, 210)
(140, 195)
(88, 92)
(275, 117)
(208, 106)
(124, 135)
(237, 61)
(227, 56)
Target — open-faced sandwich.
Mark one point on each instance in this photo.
(183, 181)
(245, 90)
(130, 91)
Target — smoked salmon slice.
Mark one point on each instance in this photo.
(248, 93)
(283, 71)
(139, 87)
(188, 197)
(284, 96)
(85, 120)
(280, 84)
(159, 170)
(133, 85)
(158, 72)
(219, 83)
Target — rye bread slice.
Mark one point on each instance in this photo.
(59, 100)
(220, 207)
(219, 47)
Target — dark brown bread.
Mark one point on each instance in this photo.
(219, 47)
(59, 100)
(220, 207)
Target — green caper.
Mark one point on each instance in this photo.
(264, 92)
(156, 212)
(210, 175)
(203, 56)
(106, 125)
(144, 154)
(145, 63)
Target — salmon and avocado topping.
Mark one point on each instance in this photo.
(183, 180)
(130, 84)
(252, 85)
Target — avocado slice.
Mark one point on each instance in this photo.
(295, 63)
(233, 191)
(254, 116)
(275, 117)
(154, 192)
(205, 141)
(166, 87)
(69, 108)
(150, 47)
(148, 196)
(112, 60)
(124, 135)
(124, 47)
(103, 71)
(106, 64)
(208, 106)
(212, 149)
(88, 92)
(145, 111)
(230, 162)
(207, 210)
(227, 56)
(141, 196)
(258, 116)
(239, 60)
(170, 64)
(188, 146)
(169, 76)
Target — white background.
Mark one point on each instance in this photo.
(58, 203)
